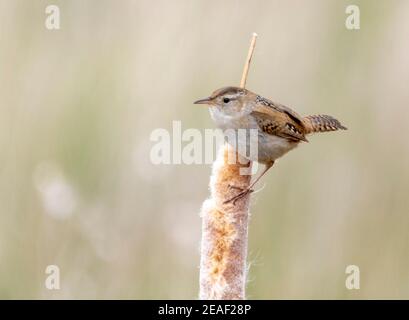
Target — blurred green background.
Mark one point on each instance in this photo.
(78, 105)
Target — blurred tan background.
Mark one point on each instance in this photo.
(77, 106)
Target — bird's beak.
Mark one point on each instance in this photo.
(203, 101)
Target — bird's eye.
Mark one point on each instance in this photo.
(226, 100)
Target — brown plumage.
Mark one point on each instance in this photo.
(277, 119)
(280, 129)
(322, 123)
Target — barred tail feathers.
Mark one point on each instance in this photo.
(322, 123)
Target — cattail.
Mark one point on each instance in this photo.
(223, 266)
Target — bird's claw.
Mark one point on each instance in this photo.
(239, 196)
(236, 187)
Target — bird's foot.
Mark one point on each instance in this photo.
(242, 194)
(236, 187)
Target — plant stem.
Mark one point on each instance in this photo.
(223, 265)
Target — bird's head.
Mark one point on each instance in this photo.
(228, 100)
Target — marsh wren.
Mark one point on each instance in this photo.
(279, 128)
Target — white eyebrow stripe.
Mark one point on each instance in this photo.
(233, 96)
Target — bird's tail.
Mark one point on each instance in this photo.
(322, 123)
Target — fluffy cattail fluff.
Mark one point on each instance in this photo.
(224, 232)
(322, 123)
(224, 228)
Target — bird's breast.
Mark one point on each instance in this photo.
(225, 121)
(271, 147)
(261, 147)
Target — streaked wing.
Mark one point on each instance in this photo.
(281, 108)
(279, 124)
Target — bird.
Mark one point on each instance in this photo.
(279, 129)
